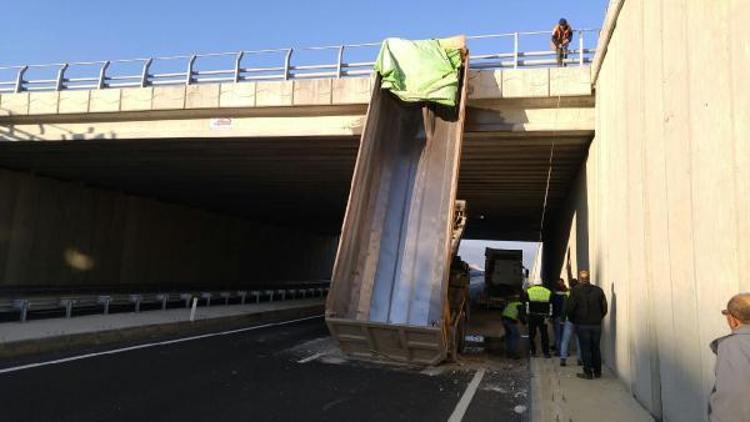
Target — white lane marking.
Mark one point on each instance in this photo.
(311, 357)
(155, 344)
(463, 404)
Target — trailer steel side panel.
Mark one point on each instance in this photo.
(395, 343)
(388, 296)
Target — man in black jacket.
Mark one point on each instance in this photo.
(586, 308)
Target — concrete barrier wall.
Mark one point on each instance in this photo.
(661, 211)
(60, 233)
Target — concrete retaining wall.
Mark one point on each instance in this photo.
(661, 211)
(60, 233)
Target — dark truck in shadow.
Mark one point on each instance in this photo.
(504, 275)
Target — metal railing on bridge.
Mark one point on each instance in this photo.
(494, 51)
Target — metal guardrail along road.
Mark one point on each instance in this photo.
(23, 305)
(504, 51)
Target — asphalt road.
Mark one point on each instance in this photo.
(249, 376)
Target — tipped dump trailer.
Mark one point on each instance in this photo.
(395, 294)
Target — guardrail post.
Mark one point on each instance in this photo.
(105, 301)
(103, 75)
(339, 62)
(22, 305)
(189, 72)
(515, 50)
(60, 84)
(68, 304)
(19, 79)
(187, 297)
(144, 72)
(136, 299)
(580, 48)
(192, 309)
(287, 63)
(237, 68)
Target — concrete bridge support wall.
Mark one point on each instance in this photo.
(663, 201)
(61, 233)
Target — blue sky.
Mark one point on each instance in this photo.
(44, 31)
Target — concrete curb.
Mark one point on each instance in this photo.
(150, 332)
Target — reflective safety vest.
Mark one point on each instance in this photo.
(511, 310)
(539, 294)
(561, 34)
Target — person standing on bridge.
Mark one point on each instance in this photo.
(538, 309)
(730, 397)
(562, 34)
(586, 308)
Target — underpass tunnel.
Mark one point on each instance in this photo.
(172, 213)
(505, 180)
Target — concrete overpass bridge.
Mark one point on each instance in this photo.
(226, 181)
(264, 147)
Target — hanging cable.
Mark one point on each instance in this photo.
(536, 275)
(549, 170)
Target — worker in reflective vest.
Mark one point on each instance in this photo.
(538, 308)
(511, 316)
(562, 34)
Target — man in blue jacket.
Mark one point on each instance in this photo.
(559, 298)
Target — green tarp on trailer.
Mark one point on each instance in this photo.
(423, 70)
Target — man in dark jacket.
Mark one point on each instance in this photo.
(730, 398)
(586, 308)
(559, 298)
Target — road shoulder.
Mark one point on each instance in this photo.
(59, 335)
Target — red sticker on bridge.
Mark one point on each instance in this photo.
(221, 123)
